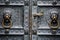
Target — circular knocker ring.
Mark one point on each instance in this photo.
(9, 26)
(54, 28)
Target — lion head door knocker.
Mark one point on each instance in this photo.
(6, 22)
(54, 23)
